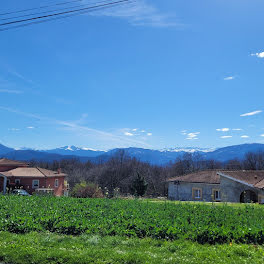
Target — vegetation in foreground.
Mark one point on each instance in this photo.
(49, 248)
(133, 218)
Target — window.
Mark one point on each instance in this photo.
(35, 184)
(197, 193)
(56, 183)
(17, 181)
(216, 195)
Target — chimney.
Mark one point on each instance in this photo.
(59, 171)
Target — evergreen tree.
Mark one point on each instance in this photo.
(139, 185)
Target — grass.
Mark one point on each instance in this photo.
(50, 248)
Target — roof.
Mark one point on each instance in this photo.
(32, 172)
(210, 177)
(254, 178)
(7, 162)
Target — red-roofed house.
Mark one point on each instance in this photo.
(20, 175)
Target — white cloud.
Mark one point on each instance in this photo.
(143, 131)
(226, 137)
(252, 113)
(262, 135)
(30, 127)
(192, 136)
(135, 129)
(128, 134)
(141, 13)
(244, 136)
(223, 129)
(149, 134)
(259, 55)
(237, 129)
(229, 78)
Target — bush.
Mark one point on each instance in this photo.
(87, 190)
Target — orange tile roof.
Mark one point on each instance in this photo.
(199, 177)
(7, 162)
(254, 178)
(32, 172)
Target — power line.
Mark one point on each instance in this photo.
(95, 8)
(50, 11)
(63, 13)
(41, 7)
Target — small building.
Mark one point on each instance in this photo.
(226, 186)
(32, 179)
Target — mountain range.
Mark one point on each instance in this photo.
(157, 157)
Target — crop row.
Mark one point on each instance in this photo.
(133, 218)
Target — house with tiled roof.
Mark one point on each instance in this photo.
(212, 185)
(16, 174)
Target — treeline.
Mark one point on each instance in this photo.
(120, 171)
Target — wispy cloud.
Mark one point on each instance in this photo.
(149, 134)
(184, 132)
(226, 137)
(81, 129)
(225, 129)
(252, 113)
(258, 54)
(142, 13)
(30, 127)
(237, 129)
(10, 91)
(244, 136)
(229, 78)
(14, 129)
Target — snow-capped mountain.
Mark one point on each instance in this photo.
(156, 157)
(188, 150)
(77, 151)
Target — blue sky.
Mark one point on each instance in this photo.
(154, 74)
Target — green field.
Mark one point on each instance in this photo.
(133, 218)
(128, 231)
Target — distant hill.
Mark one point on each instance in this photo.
(155, 157)
(28, 155)
(4, 150)
(233, 152)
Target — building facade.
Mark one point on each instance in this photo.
(216, 186)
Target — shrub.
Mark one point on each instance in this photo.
(87, 190)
